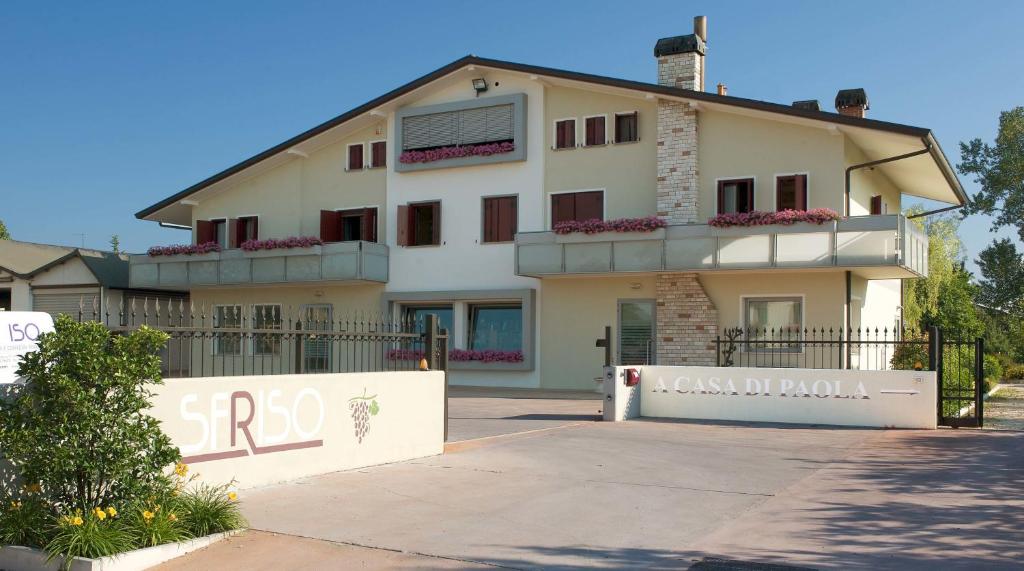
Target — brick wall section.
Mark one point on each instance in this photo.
(677, 162)
(681, 70)
(687, 321)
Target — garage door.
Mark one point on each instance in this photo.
(57, 303)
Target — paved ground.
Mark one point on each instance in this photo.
(660, 495)
(478, 413)
(1005, 409)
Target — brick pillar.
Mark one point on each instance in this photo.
(687, 321)
(677, 162)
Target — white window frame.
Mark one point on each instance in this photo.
(615, 115)
(251, 345)
(782, 296)
(554, 133)
(227, 231)
(585, 117)
(369, 146)
(775, 189)
(348, 167)
(604, 202)
(215, 341)
(377, 206)
(714, 190)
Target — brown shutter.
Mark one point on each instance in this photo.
(559, 135)
(490, 220)
(436, 226)
(570, 133)
(378, 154)
(254, 227)
(369, 225)
(402, 224)
(205, 232)
(355, 157)
(330, 226)
(562, 208)
(233, 232)
(507, 219)
(876, 204)
(800, 181)
(589, 205)
(750, 195)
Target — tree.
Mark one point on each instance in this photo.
(79, 427)
(4, 234)
(999, 170)
(115, 244)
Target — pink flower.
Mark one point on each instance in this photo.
(184, 249)
(454, 152)
(275, 244)
(595, 225)
(782, 217)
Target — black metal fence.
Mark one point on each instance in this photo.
(244, 339)
(958, 362)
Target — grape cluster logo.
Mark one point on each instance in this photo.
(362, 408)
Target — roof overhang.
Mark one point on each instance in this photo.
(928, 176)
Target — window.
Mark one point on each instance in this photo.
(419, 224)
(578, 206)
(246, 228)
(636, 332)
(735, 195)
(565, 134)
(355, 157)
(627, 129)
(266, 316)
(595, 131)
(489, 124)
(500, 219)
(227, 316)
(378, 154)
(417, 315)
(348, 225)
(877, 206)
(791, 192)
(498, 326)
(773, 323)
(220, 232)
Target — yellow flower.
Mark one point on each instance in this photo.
(77, 520)
(157, 508)
(172, 517)
(99, 513)
(181, 469)
(111, 511)
(33, 488)
(16, 505)
(232, 496)
(147, 515)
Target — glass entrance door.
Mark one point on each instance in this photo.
(636, 332)
(316, 349)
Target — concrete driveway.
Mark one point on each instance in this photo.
(660, 495)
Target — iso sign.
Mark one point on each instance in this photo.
(19, 331)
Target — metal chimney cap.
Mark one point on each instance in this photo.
(852, 98)
(679, 45)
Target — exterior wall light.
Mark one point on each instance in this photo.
(480, 85)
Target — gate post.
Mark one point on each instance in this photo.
(979, 380)
(430, 341)
(935, 364)
(442, 358)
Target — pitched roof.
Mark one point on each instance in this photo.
(924, 134)
(28, 259)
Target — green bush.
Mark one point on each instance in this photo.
(79, 425)
(910, 356)
(211, 509)
(993, 372)
(151, 523)
(97, 533)
(24, 520)
(1014, 372)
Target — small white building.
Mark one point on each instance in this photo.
(63, 279)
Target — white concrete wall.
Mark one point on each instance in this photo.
(21, 292)
(891, 399)
(301, 425)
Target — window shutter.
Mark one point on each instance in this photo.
(402, 223)
(589, 205)
(562, 208)
(559, 135)
(330, 226)
(254, 227)
(876, 204)
(490, 220)
(507, 219)
(369, 225)
(749, 185)
(721, 197)
(234, 225)
(436, 226)
(800, 182)
(204, 232)
(591, 131)
(378, 154)
(355, 157)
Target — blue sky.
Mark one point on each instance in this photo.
(109, 107)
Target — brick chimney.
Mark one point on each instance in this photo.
(852, 102)
(681, 58)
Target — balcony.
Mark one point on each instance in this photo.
(877, 247)
(340, 262)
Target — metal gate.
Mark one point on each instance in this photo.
(960, 369)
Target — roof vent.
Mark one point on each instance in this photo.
(852, 102)
(808, 105)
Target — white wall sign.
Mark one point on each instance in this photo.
(19, 331)
(899, 399)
